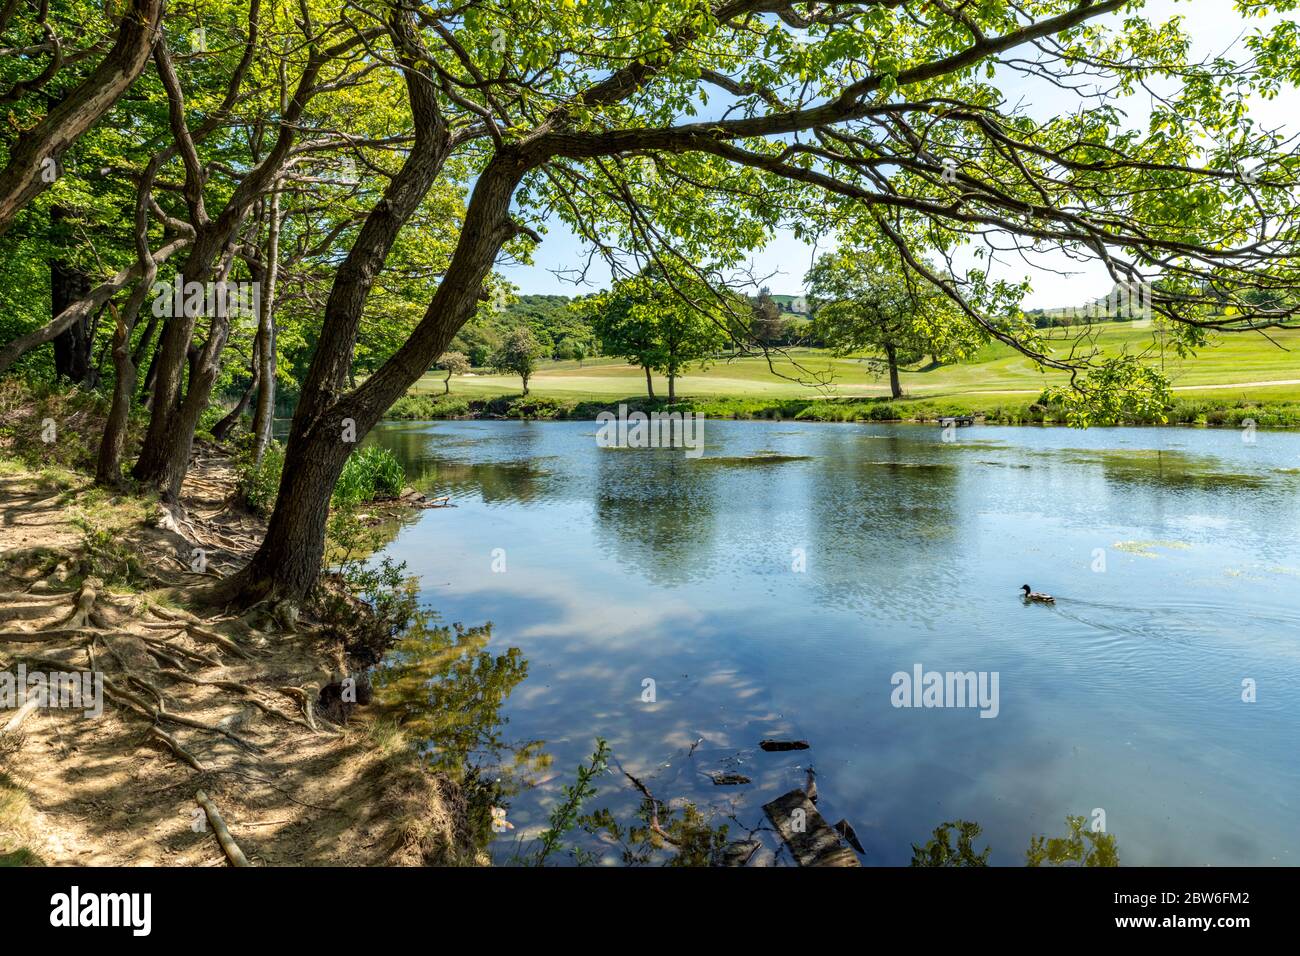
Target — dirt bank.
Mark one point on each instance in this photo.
(92, 583)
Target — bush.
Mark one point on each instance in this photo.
(428, 407)
(369, 474)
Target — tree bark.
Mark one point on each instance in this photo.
(891, 356)
(649, 384)
(42, 147)
(672, 387)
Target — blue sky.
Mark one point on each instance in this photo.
(1214, 27)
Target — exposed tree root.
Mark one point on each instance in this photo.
(177, 749)
(304, 701)
(251, 694)
(85, 603)
(219, 827)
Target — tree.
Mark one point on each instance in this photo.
(660, 323)
(865, 302)
(455, 363)
(878, 121)
(518, 355)
(767, 325)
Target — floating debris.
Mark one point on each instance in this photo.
(728, 779)
(783, 745)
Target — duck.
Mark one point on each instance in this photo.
(1037, 596)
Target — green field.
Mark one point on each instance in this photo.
(1235, 367)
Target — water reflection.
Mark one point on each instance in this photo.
(446, 690)
(634, 564)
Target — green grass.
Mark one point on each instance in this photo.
(1219, 385)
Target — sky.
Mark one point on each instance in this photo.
(1215, 28)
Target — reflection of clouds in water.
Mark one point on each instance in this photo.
(1123, 696)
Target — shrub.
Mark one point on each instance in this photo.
(370, 473)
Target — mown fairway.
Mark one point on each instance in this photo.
(1235, 365)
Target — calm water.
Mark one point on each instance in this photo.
(623, 565)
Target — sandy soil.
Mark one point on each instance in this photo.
(236, 695)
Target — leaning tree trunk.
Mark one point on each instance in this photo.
(326, 425)
(288, 562)
(649, 384)
(891, 356)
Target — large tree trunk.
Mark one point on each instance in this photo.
(891, 356)
(649, 384)
(288, 562)
(42, 146)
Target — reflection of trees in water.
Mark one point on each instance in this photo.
(446, 690)
(1080, 846)
(887, 507)
(506, 481)
(656, 512)
(423, 456)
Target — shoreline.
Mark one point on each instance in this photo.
(1207, 414)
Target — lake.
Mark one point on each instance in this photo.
(775, 586)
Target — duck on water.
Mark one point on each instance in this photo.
(1037, 596)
